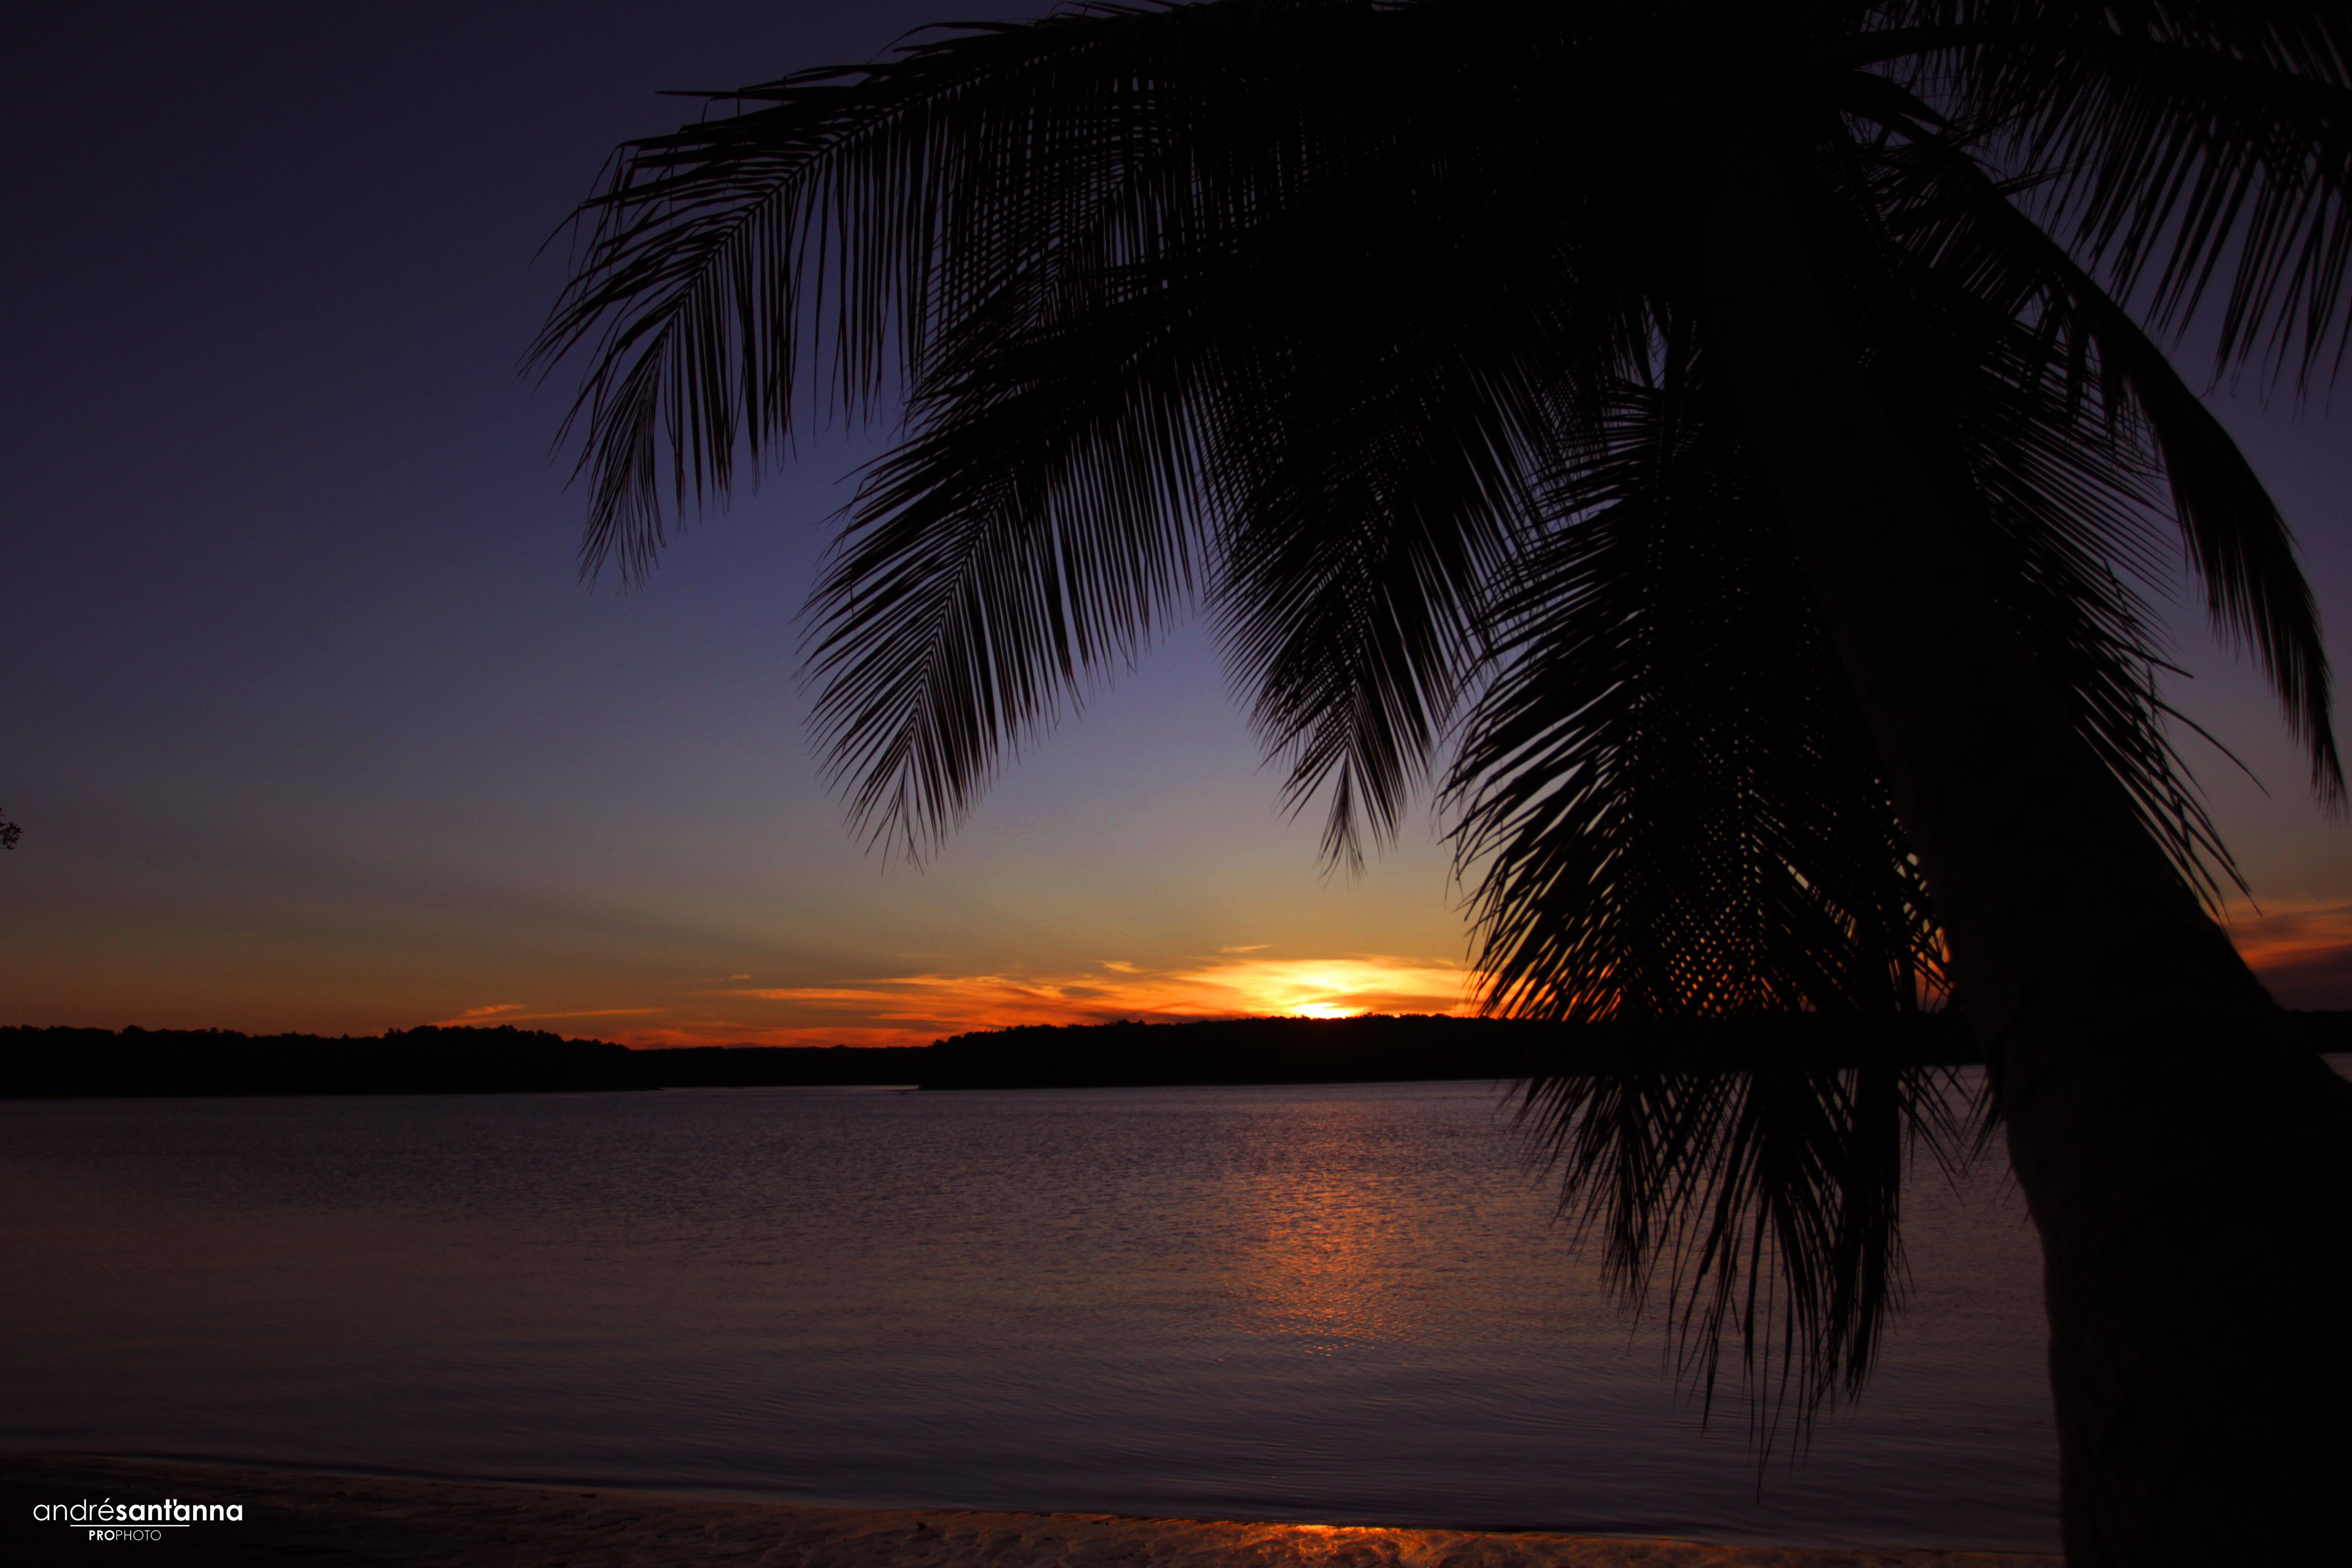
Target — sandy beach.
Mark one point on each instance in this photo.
(355, 1522)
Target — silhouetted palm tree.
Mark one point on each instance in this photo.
(1722, 401)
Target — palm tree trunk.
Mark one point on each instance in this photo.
(2188, 1166)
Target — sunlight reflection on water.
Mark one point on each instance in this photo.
(1339, 1302)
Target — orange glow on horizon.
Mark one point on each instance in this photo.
(915, 1009)
(2304, 950)
(1237, 987)
(2288, 935)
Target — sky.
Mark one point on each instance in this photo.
(311, 725)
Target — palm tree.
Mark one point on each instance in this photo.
(1733, 408)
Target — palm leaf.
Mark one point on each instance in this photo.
(1763, 1204)
(2195, 139)
(2238, 542)
(856, 210)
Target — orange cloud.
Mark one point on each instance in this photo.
(914, 1009)
(2302, 951)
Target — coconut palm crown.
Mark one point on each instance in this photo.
(1731, 445)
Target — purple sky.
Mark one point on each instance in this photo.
(311, 725)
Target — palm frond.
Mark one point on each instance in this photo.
(2195, 140)
(855, 211)
(1677, 810)
(1671, 796)
(1041, 528)
(1372, 494)
(1334, 349)
(1763, 1205)
(2237, 541)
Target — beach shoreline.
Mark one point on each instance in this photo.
(293, 1517)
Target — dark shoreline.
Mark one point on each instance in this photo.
(364, 1522)
(74, 1063)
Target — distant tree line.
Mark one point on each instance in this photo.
(71, 1062)
(426, 1060)
(97, 1063)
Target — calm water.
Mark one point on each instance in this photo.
(1343, 1303)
